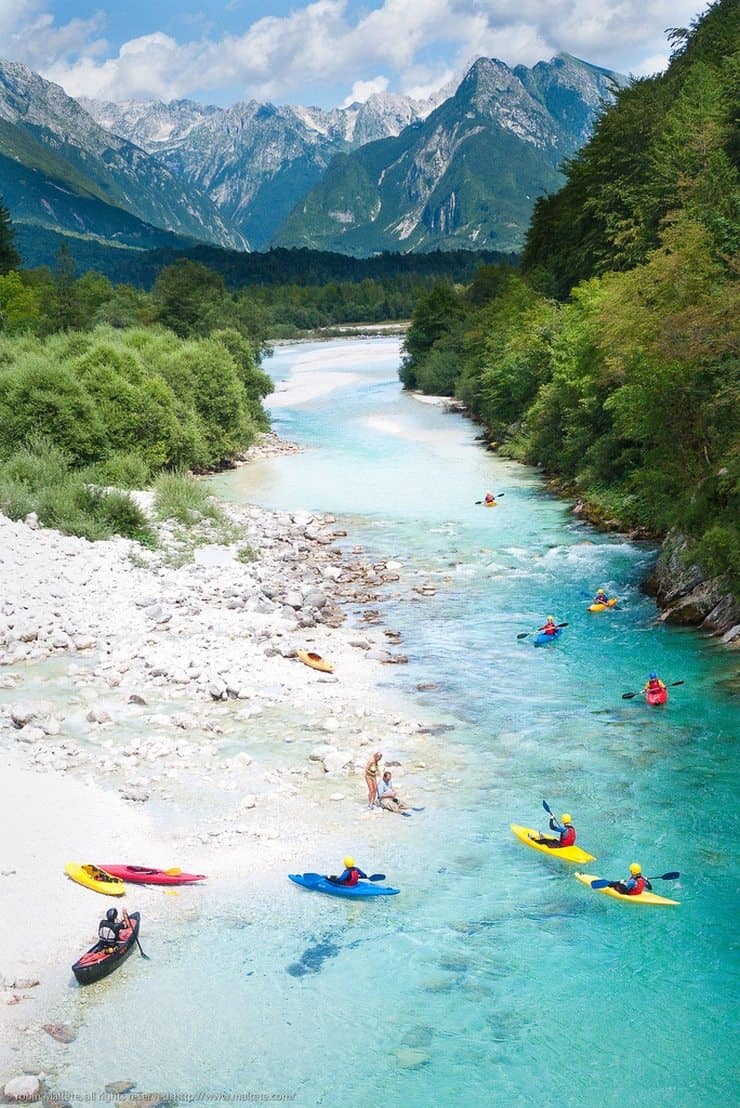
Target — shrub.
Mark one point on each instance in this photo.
(179, 496)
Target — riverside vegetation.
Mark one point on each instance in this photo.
(611, 359)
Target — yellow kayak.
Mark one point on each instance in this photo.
(315, 661)
(602, 607)
(565, 853)
(643, 898)
(92, 877)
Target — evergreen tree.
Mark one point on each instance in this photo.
(9, 256)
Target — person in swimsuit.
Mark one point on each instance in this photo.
(371, 778)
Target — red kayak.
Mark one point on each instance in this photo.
(656, 696)
(143, 875)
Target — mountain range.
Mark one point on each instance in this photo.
(460, 169)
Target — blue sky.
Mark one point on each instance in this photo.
(323, 52)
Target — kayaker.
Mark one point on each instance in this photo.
(371, 778)
(110, 927)
(634, 884)
(654, 684)
(388, 796)
(350, 875)
(565, 830)
(601, 597)
(489, 498)
(549, 627)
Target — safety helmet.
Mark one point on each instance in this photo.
(601, 591)
(653, 677)
(566, 818)
(111, 914)
(551, 619)
(349, 862)
(635, 868)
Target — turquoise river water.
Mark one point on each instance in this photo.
(494, 978)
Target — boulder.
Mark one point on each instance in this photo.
(30, 734)
(314, 598)
(22, 1088)
(62, 1032)
(21, 714)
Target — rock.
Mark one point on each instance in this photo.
(84, 642)
(30, 734)
(135, 698)
(148, 1100)
(136, 795)
(62, 1032)
(247, 802)
(723, 617)
(732, 635)
(314, 598)
(217, 690)
(118, 1088)
(294, 599)
(21, 714)
(98, 715)
(337, 796)
(412, 1057)
(22, 1088)
(32, 521)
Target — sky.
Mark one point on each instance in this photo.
(322, 52)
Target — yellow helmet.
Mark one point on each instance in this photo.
(551, 619)
(635, 868)
(348, 862)
(601, 591)
(566, 818)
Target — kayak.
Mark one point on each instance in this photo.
(602, 607)
(565, 853)
(102, 959)
(541, 639)
(643, 898)
(352, 892)
(92, 877)
(315, 661)
(656, 696)
(142, 875)
(489, 503)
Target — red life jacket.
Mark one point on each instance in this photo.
(639, 887)
(655, 685)
(568, 837)
(354, 877)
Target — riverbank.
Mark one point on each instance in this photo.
(153, 710)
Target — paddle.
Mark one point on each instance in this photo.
(498, 496)
(372, 877)
(126, 917)
(602, 884)
(632, 695)
(523, 634)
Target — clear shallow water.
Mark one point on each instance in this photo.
(494, 973)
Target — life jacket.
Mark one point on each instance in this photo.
(656, 684)
(354, 876)
(639, 886)
(568, 837)
(108, 933)
(549, 628)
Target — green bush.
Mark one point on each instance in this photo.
(179, 496)
(124, 469)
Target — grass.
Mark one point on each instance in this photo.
(179, 496)
(247, 554)
(39, 478)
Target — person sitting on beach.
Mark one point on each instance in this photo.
(109, 928)
(634, 884)
(565, 830)
(350, 875)
(550, 627)
(371, 778)
(489, 498)
(388, 796)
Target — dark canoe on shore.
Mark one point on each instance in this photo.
(102, 959)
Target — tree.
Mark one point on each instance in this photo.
(9, 256)
(190, 299)
(64, 308)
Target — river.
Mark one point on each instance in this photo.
(494, 978)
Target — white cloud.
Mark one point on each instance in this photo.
(362, 90)
(323, 43)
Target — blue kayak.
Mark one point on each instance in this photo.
(353, 892)
(541, 639)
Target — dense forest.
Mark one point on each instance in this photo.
(611, 359)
